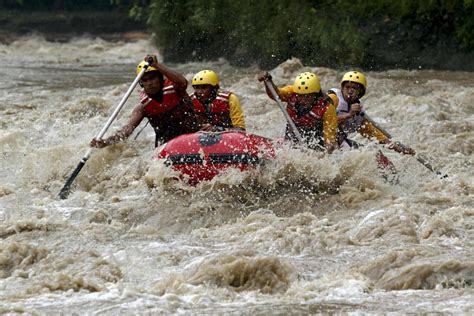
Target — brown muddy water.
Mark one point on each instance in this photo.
(303, 234)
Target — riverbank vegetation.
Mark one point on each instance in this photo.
(59, 20)
(344, 33)
(335, 33)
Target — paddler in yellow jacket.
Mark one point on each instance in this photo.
(313, 112)
(351, 114)
(216, 109)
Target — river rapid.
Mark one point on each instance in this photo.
(303, 234)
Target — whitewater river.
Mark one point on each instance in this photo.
(304, 234)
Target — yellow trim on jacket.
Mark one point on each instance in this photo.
(235, 112)
(329, 117)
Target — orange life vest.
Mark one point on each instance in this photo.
(217, 112)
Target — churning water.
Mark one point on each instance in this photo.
(303, 234)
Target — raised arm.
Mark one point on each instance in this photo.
(267, 77)
(172, 75)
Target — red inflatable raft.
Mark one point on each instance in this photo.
(202, 155)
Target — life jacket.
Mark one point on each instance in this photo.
(170, 100)
(313, 118)
(172, 116)
(217, 112)
(310, 124)
(352, 124)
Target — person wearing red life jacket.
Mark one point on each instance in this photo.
(163, 101)
(216, 109)
(313, 112)
(351, 114)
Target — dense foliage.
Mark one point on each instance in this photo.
(336, 33)
(71, 5)
(58, 20)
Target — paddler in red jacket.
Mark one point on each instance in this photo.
(216, 109)
(163, 101)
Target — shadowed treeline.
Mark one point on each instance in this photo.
(374, 34)
(60, 20)
(368, 34)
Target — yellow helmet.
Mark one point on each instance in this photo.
(205, 77)
(306, 82)
(140, 66)
(355, 76)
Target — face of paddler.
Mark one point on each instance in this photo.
(351, 91)
(307, 100)
(151, 82)
(203, 91)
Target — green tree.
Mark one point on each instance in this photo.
(336, 33)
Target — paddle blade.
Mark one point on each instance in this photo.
(63, 194)
(425, 163)
(388, 170)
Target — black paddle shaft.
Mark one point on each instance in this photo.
(63, 194)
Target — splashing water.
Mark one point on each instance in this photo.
(303, 233)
